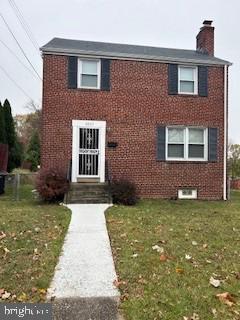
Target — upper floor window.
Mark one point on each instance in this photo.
(187, 80)
(186, 143)
(89, 74)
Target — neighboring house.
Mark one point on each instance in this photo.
(156, 116)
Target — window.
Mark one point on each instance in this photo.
(176, 143)
(187, 193)
(186, 144)
(89, 74)
(187, 80)
(196, 143)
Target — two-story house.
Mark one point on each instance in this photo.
(156, 116)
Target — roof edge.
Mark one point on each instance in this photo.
(137, 57)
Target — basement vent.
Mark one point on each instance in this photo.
(187, 193)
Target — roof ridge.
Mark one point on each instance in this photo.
(123, 44)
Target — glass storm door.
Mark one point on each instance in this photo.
(89, 152)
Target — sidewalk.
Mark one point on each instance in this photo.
(82, 287)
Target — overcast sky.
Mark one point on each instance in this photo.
(173, 24)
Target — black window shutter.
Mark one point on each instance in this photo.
(72, 72)
(212, 144)
(161, 143)
(202, 81)
(172, 79)
(105, 74)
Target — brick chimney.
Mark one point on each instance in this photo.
(205, 38)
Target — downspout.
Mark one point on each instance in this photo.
(225, 132)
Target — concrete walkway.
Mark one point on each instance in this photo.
(82, 287)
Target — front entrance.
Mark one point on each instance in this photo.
(88, 150)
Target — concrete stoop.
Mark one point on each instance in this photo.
(88, 193)
(94, 308)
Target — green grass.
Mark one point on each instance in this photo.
(29, 252)
(152, 289)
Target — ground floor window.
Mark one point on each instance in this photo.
(186, 143)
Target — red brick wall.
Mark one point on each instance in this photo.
(137, 102)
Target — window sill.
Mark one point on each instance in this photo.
(186, 162)
(86, 89)
(188, 95)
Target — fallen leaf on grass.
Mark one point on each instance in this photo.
(236, 312)
(188, 257)
(226, 298)
(6, 251)
(163, 258)
(6, 295)
(42, 291)
(22, 297)
(179, 270)
(124, 297)
(194, 243)
(162, 241)
(35, 254)
(195, 316)
(142, 281)
(214, 282)
(135, 255)
(118, 283)
(158, 249)
(2, 235)
(205, 245)
(214, 312)
(123, 235)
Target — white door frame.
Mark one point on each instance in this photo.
(91, 124)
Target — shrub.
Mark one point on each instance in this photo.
(123, 192)
(51, 185)
(33, 151)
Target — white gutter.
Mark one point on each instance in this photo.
(225, 133)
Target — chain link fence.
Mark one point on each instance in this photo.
(14, 184)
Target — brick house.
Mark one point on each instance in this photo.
(156, 116)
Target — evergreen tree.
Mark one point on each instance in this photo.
(15, 156)
(9, 124)
(33, 151)
(14, 147)
(3, 138)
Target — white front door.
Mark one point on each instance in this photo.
(88, 149)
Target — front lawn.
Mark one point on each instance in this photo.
(167, 251)
(31, 237)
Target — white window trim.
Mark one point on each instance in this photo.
(80, 60)
(186, 143)
(195, 79)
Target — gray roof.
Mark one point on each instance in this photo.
(126, 51)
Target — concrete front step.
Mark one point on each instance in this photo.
(88, 193)
(88, 308)
(86, 186)
(90, 200)
(83, 193)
